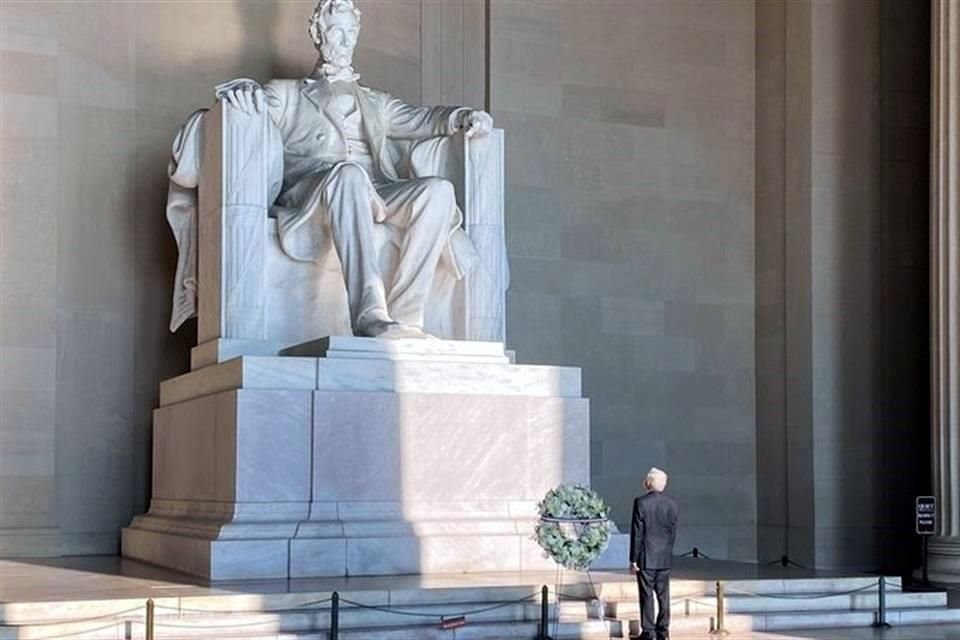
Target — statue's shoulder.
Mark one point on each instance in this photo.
(374, 94)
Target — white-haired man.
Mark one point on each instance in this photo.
(341, 178)
(653, 530)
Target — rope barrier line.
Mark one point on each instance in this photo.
(76, 634)
(800, 596)
(680, 598)
(45, 623)
(309, 607)
(228, 625)
(419, 614)
(312, 607)
(306, 607)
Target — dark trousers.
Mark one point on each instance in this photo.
(648, 582)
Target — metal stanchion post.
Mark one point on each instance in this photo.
(544, 614)
(149, 619)
(720, 630)
(881, 621)
(334, 615)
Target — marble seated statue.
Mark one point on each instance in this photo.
(319, 207)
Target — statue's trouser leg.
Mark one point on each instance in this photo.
(425, 210)
(347, 198)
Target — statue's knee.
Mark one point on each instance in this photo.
(349, 176)
(439, 189)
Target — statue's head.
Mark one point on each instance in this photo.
(334, 29)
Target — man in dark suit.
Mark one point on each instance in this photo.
(653, 531)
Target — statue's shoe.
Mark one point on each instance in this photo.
(385, 330)
(400, 331)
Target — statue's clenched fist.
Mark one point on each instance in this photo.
(476, 122)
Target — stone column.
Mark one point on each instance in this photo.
(944, 558)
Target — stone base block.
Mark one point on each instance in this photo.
(211, 559)
(30, 543)
(264, 468)
(315, 558)
(943, 558)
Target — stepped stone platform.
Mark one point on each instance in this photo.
(105, 598)
(352, 456)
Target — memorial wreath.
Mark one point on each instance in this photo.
(574, 525)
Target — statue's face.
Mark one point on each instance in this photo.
(339, 40)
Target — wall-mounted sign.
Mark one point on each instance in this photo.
(926, 515)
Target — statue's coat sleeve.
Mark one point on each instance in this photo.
(405, 121)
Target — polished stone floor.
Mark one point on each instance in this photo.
(110, 577)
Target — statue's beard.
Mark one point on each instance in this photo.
(341, 59)
(337, 63)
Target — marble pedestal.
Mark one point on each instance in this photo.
(943, 559)
(359, 457)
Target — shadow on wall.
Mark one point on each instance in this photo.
(179, 61)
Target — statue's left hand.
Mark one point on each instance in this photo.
(242, 94)
(477, 123)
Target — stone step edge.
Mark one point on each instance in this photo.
(774, 597)
(529, 612)
(94, 608)
(263, 373)
(89, 608)
(378, 631)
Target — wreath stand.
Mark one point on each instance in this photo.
(578, 525)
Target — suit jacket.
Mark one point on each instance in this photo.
(312, 128)
(314, 143)
(653, 530)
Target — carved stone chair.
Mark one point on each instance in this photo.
(255, 300)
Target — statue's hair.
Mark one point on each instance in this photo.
(325, 9)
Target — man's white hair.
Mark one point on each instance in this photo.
(656, 479)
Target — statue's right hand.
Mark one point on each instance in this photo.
(242, 94)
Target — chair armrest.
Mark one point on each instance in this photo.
(241, 171)
(483, 210)
(473, 165)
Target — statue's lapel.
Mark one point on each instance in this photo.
(372, 121)
(373, 124)
(320, 94)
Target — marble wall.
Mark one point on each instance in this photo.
(843, 130)
(749, 318)
(91, 95)
(630, 226)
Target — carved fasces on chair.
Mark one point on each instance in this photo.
(485, 286)
(242, 167)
